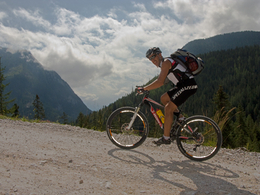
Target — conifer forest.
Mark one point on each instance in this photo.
(228, 92)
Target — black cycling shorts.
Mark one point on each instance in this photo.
(182, 91)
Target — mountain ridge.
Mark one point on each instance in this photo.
(236, 71)
(27, 77)
(223, 42)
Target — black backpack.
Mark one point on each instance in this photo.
(193, 63)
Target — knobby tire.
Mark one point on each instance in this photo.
(204, 143)
(118, 132)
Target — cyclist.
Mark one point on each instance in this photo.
(185, 86)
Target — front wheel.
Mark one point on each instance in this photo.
(121, 134)
(199, 138)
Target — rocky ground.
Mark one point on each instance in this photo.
(46, 158)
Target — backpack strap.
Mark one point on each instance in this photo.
(173, 62)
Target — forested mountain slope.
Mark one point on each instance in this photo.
(224, 42)
(237, 71)
(27, 77)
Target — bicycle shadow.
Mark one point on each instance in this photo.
(205, 178)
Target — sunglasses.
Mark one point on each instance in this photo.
(152, 57)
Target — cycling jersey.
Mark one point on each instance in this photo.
(178, 73)
(185, 84)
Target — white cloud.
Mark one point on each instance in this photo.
(209, 18)
(139, 6)
(66, 22)
(32, 16)
(103, 57)
(3, 15)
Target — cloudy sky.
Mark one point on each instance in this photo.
(98, 46)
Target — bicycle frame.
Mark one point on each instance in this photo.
(198, 137)
(148, 101)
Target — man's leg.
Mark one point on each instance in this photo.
(169, 108)
(165, 99)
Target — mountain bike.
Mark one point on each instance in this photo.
(198, 137)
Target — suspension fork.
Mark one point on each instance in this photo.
(137, 109)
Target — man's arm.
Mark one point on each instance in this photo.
(166, 65)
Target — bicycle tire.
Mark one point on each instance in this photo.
(204, 143)
(119, 135)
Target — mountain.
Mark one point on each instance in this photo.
(223, 42)
(27, 77)
(236, 70)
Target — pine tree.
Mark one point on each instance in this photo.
(94, 120)
(241, 135)
(252, 143)
(87, 122)
(4, 98)
(100, 120)
(15, 111)
(222, 116)
(64, 118)
(220, 100)
(39, 112)
(80, 120)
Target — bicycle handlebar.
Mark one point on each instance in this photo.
(141, 91)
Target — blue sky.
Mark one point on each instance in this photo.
(98, 47)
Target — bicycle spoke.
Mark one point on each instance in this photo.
(124, 135)
(199, 139)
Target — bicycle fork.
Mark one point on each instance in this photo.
(137, 109)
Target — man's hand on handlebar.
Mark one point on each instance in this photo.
(139, 90)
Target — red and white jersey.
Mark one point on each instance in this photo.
(178, 72)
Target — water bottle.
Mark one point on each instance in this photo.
(160, 114)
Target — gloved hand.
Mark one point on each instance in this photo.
(139, 89)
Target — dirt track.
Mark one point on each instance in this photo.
(60, 159)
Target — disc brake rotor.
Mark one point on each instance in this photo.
(199, 138)
(124, 128)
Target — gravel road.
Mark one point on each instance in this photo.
(47, 158)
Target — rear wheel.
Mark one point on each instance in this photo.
(118, 130)
(199, 138)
